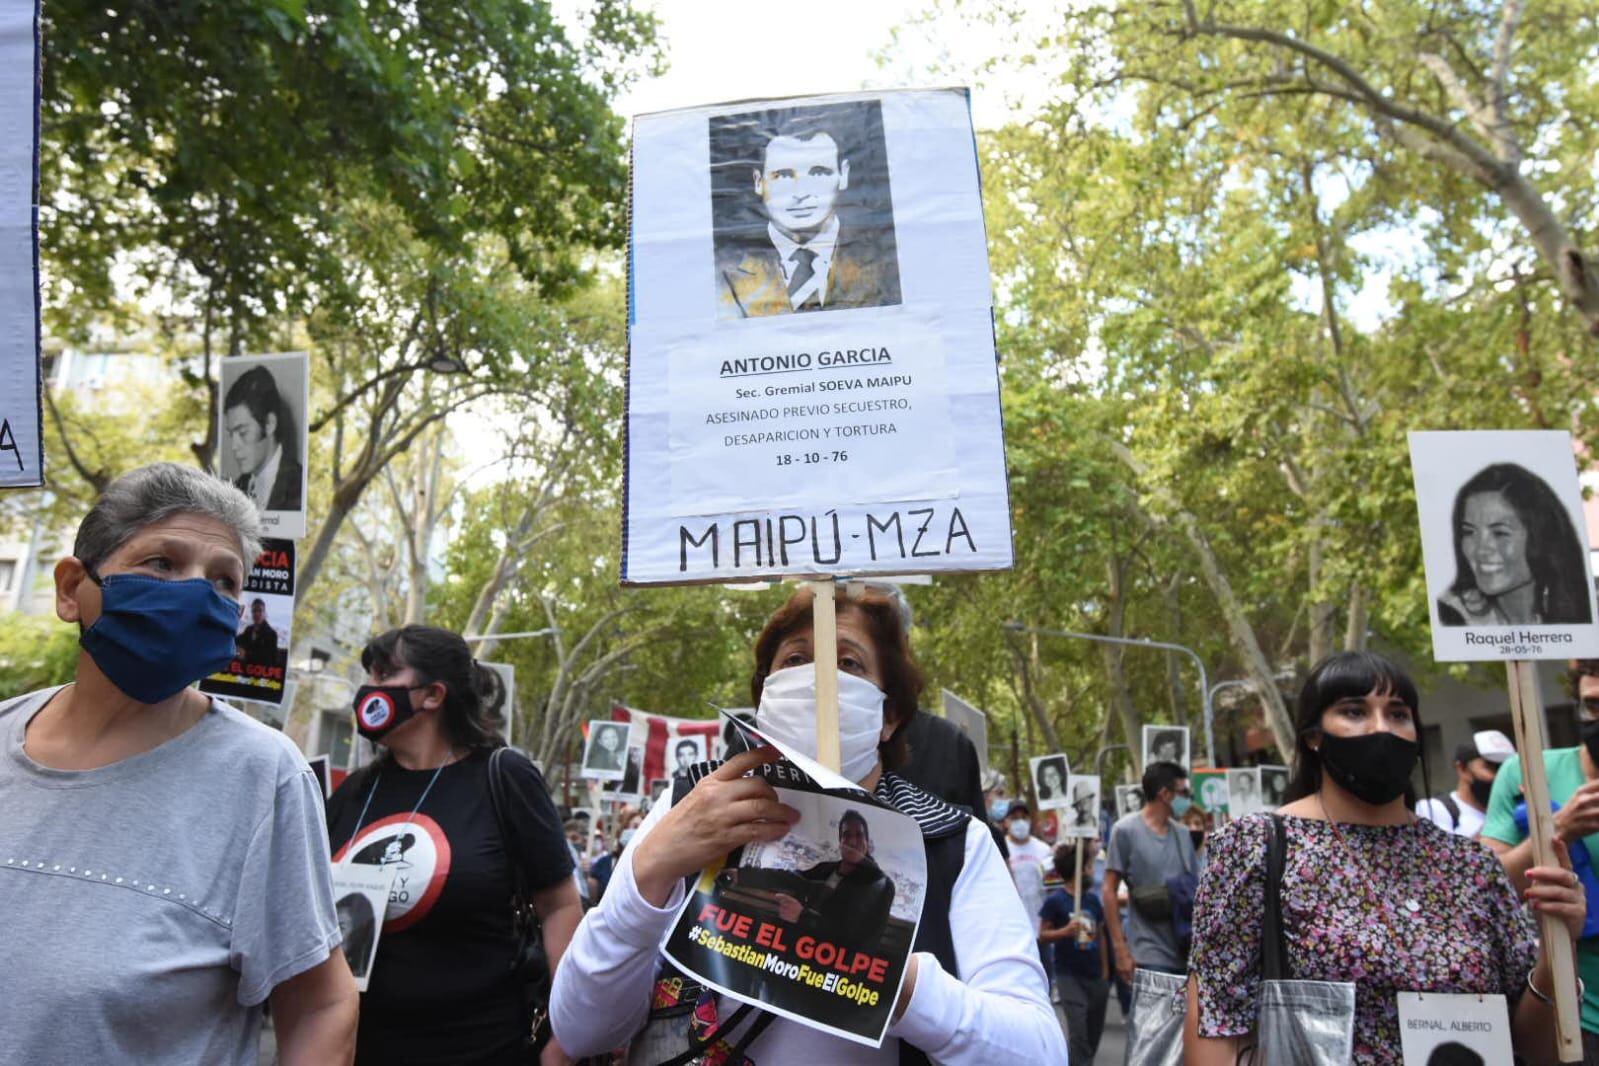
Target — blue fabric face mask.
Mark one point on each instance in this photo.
(1180, 805)
(154, 638)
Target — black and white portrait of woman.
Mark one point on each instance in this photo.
(1518, 558)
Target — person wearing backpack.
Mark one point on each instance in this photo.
(1477, 762)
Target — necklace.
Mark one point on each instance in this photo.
(1412, 905)
(373, 791)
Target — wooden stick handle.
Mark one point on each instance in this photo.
(824, 648)
(1526, 711)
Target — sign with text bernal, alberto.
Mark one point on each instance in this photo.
(812, 380)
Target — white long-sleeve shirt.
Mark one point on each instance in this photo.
(998, 1012)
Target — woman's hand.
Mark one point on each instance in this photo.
(723, 811)
(1556, 890)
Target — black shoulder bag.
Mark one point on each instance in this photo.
(530, 964)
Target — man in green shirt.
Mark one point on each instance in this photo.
(1574, 784)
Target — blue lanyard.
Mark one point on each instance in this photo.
(373, 791)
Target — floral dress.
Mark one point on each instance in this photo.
(1391, 908)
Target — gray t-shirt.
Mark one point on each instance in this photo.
(149, 907)
(1143, 857)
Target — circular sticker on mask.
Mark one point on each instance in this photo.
(376, 711)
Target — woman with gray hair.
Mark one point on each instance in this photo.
(163, 863)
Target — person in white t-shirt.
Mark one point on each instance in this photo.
(1030, 859)
(1477, 763)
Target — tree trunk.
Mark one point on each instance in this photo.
(1355, 633)
(1323, 615)
(1241, 633)
(1114, 656)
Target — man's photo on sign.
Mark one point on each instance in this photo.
(1164, 743)
(686, 751)
(262, 438)
(802, 216)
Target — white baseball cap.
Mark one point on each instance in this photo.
(1493, 745)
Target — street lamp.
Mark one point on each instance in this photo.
(1141, 642)
(513, 636)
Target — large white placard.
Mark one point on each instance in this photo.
(21, 440)
(812, 381)
(972, 722)
(1506, 548)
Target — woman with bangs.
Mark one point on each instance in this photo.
(973, 992)
(1370, 894)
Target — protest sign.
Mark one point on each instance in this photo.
(1273, 786)
(1081, 815)
(1243, 792)
(261, 435)
(1130, 799)
(319, 767)
(605, 757)
(21, 385)
(816, 927)
(661, 736)
(1505, 546)
(1050, 775)
(812, 379)
(261, 662)
(499, 702)
(1438, 1029)
(629, 787)
(1210, 790)
(972, 722)
(361, 894)
(1509, 577)
(1166, 743)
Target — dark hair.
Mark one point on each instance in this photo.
(258, 602)
(439, 655)
(902, 680)
(1454, 1054)
(1579, 669)
(805, 124)
(363, 922)
(1340, 676)
(1065, 859)
(859, 819)
(1159, 775)
(256, 391)
(693, 745)
(1555, 553)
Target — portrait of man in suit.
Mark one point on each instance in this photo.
(802, 212)
(262, 439)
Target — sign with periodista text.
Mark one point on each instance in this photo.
(812, 381)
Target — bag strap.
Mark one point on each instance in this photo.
(1448, 800)
(1273, 947)
(521, 898)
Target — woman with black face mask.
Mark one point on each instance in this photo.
(1370, 894)
(442, 987)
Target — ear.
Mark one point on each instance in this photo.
(843, 174)
(70, 574)
(433, 696)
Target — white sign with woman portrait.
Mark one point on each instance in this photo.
(605, 757)
(1506, 548)
(1051, 774)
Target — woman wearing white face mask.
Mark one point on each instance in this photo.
(974, 991)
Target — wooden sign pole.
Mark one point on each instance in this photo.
(1526, 710)
(824, 649)
(1077, 879)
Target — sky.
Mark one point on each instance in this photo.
(720, 52)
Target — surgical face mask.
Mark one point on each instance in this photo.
(1180, 805)
(997, 809)
(1481, 790)
(627, 836)
(1373, 767)
(380, 708)
(788, 714)
(154, 638)
(1020, 828)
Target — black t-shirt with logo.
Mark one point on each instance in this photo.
(441, 987)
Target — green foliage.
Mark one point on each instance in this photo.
(35, 653)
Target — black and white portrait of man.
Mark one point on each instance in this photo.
(1273, 786)
(686, 751)
(801, 211)
(262, 435)
(1243, 792)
